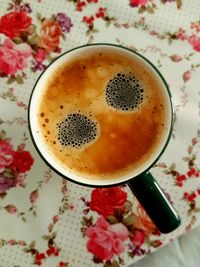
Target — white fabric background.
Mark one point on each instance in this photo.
(184, 252)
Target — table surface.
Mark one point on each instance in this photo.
(44, 218)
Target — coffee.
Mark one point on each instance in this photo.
(102, 114)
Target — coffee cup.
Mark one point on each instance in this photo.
(101, 115)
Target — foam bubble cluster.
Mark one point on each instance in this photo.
(124, 92)
(76, 130)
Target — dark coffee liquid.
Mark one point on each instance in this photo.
(102, 115)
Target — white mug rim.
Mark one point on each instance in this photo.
(87, 181)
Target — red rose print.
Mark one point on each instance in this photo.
(106, 200)
(106, 240)
(180, 179)
(138, 238)
(13, 23)
(6, 154)
(190, 197)
(52, 251)
(193, 172)
(100, 13)
(88, 20)
(39, 257)
(63, 264)
(22, 161)
(138, 2)
(80, 5)
(50, 35)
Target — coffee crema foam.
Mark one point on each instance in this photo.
(124, 92)
(76, 130)
(102, 115)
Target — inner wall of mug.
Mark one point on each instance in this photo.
(35, 102)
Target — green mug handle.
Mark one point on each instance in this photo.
(157, 206)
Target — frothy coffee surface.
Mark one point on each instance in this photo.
(124, 92)
(101, 115)
(76, 130)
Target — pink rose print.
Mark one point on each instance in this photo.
(106, 200)
(13, 57)
(176, 58)
(181, 34)
(134, 3)
(106, 240)
(34, 197)
(186, 76)
(195, 42)
(40, 55)
(12, 242)
(6, 154)
(10, 209)
(138, 238)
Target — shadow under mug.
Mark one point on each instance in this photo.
(143, 185)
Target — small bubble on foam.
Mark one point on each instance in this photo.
(42, 114)
(124, 92)
(61, 107)
(46, 120)
(76, 130)
(48, 132)
(43, 125)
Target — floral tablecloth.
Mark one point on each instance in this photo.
(48, 221)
